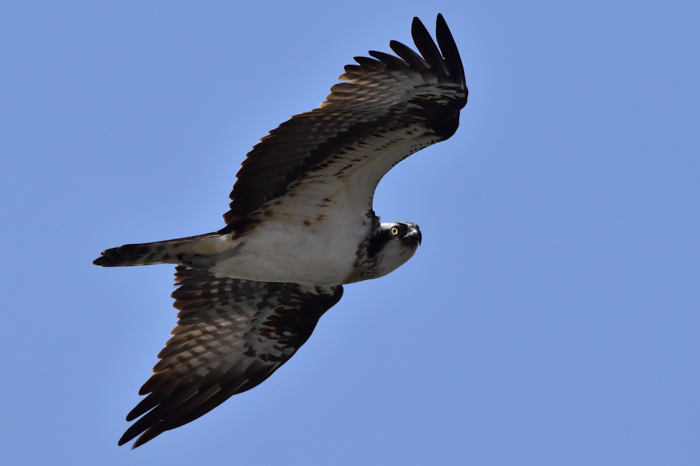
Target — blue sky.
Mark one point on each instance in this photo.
(550, 316)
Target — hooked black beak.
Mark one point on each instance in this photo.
(415, 235)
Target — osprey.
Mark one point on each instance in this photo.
(300, 226)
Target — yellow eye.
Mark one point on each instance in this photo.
(394, 231)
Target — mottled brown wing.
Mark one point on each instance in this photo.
(408, 103)
(231, 335)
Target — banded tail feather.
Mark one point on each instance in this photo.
(159, 252)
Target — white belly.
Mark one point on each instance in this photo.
(321, 253)
(309, 236)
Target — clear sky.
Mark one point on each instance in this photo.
(550, 317)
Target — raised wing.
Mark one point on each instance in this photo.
(231, 336)
(387, 108)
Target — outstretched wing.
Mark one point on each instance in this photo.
(231, 335)
(387, 108)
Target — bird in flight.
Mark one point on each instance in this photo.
(299, 227)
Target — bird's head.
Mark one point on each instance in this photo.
(393, 245)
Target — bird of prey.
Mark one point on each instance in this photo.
(299, 227)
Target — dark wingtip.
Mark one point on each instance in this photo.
(130, 434)
(417, 23)
(449, 50)
(147, 435)
(123, 440)
(426, 46)
(411, 57)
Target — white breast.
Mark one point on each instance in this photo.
(298, 242)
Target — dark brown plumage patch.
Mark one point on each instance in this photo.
(375, 99)
(223, 323)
